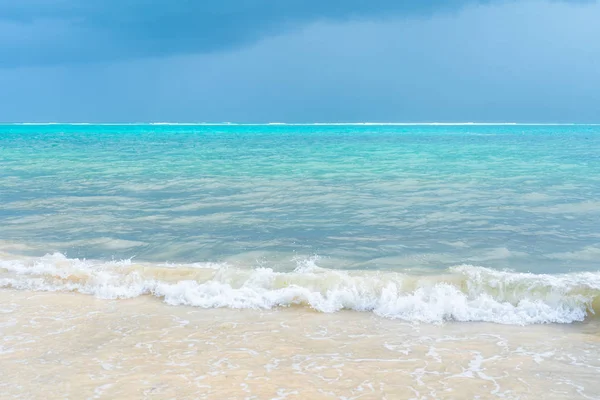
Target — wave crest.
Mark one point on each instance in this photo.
(462, 293)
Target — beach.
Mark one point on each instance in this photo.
(76, 346)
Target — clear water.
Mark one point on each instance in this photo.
(370, 197)
(308, 214)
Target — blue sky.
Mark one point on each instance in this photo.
(299, 61)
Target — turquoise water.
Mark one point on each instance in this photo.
(409, 199)
(521, 197)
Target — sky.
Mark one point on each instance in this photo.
(300, 61)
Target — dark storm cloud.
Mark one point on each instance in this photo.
(37, 32)
(526, 61)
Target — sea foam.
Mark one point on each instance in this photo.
(461, 293)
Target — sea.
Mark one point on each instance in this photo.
(322, 261)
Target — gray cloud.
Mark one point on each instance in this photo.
(528, 61)
(38, 32)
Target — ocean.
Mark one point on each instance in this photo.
(300, 261)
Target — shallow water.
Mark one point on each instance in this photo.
(360, 197)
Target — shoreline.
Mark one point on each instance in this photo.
(464, 293)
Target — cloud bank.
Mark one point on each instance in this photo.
(41, 32)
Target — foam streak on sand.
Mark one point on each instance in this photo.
(462, 293)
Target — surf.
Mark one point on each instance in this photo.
(464, 293)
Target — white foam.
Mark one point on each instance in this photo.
(463, 293)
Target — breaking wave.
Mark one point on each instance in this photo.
(461, 293)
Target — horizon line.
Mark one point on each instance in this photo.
(304, 123)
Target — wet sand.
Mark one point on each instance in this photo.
(69, 345)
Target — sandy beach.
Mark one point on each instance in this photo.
(67, 345)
